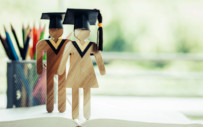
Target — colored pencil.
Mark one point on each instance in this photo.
(3, 41)
(23, 33)
(17, 42)
(41, 36)
(31, 52)
(39, 31)
(42, 33)
(34, 32)
(28, 52)
(27, 31)
(26, 45)
(10, 45)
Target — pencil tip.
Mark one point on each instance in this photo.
(30, 34)
(5, 29)
(11, 26)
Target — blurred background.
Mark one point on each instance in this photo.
(152, 48)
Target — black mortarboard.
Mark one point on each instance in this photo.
(55, 19)
(82, 18)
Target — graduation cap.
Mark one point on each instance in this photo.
(82, 18)
(55, 19)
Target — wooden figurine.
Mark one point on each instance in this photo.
(54, 49)
(81, 72)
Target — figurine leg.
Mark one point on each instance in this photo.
(62, 93)
(50, 92)
(86, 104)
(75, 103)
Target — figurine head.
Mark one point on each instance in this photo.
(55, 24)
(55, 32)
(81, 34)
(82, 19)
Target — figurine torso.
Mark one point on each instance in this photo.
(54, 54)
(81, 73)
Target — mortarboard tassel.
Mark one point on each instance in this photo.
(100, 32)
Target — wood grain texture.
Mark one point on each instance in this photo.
(62, 93)
(87, 103)
(99, 61)
(53, 61)
(75, 102)
(81, 72)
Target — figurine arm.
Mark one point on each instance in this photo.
(64, 59)
(99, 61)
(39, 50)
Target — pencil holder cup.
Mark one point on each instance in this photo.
(25, 87)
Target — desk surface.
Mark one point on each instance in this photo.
(104, 107)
